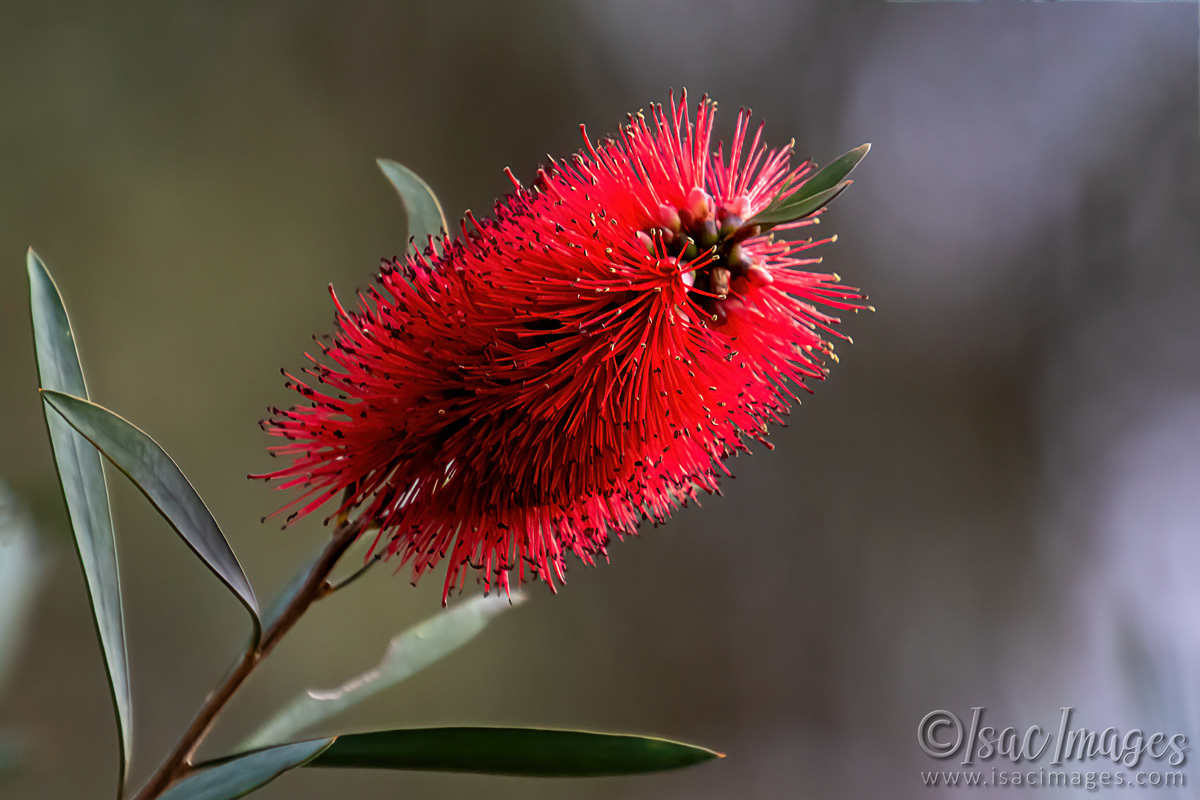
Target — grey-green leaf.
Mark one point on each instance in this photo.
(240, 775)
(22, 566)
(276, 607)
(407, 654)
(422, 210)
(823, 187)
(10, 754)
(836, 171)
(149, 467)
(531, 752)
(793, 209)
(84, 490)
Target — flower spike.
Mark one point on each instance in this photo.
(579, 362)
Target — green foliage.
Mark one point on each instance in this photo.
(276, 607)
(10, 755)
(148, 466)
(240, 775)
(22, 567)
(422, 210)
(407, 654)
(79, 428)
(533, 752)
(815, 193)
(84, 489)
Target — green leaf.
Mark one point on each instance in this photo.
(149, 467)
(814, 193)
(792, 209)
(11, 753)
(276, 607)
(511, 751)
(84, 490)
(240, 775)
(835, 172)
(421, 207)
(22, 567)
(407, 654)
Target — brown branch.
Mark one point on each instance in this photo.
(315, 586)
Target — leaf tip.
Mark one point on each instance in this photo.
(34, 263)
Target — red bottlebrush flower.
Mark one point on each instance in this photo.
(580, 362)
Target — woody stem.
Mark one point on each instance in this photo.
(315, 586)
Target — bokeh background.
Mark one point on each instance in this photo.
(993, 501)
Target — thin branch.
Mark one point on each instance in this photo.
(315, 586)
(330, 588)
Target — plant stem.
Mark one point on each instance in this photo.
(315, 586)
(352, 577)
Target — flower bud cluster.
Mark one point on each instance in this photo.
(702, 228)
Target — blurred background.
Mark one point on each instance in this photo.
(993, 501)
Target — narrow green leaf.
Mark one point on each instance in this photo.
(793, 209)
(422, 210)
(276, 607)
(511, 751)
(407, 654)
(84, 490)
(836, 171)
(22, 567)
(822, 185)
(10, 754)
(240, 775)
(149, 467)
